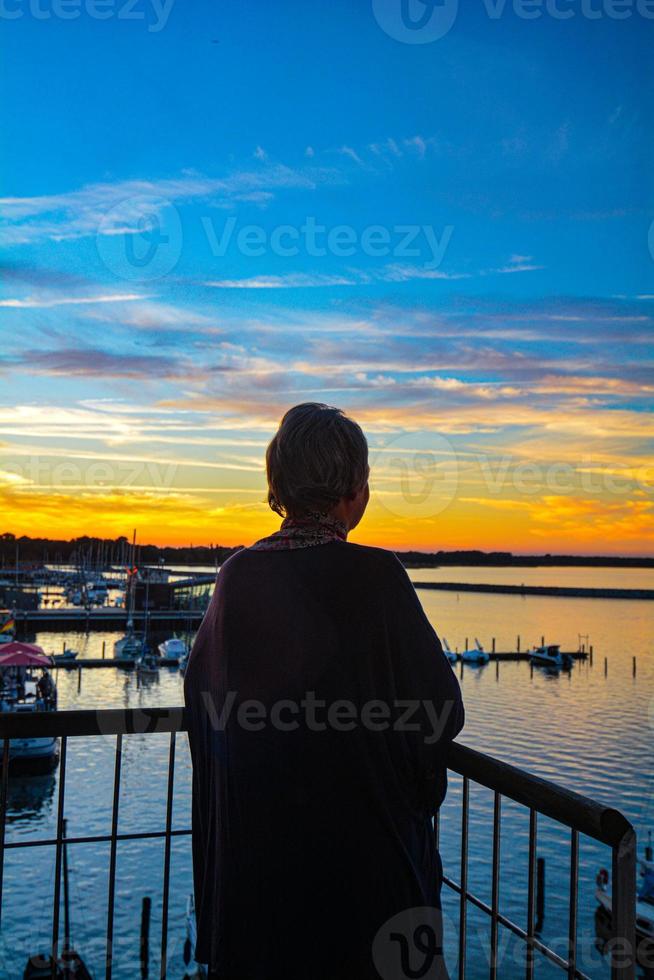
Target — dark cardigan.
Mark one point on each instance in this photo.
(311, 830)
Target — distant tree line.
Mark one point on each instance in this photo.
(98, 552)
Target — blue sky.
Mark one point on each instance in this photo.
(481, 271)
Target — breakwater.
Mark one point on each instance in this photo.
(563, 591)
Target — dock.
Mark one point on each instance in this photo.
(103, 617)
(99, 662)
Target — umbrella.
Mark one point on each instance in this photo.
(17, 654)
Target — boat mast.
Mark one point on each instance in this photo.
(131, 573)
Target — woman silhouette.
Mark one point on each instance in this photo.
(320, 708)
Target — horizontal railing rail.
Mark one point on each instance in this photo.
(540, 796)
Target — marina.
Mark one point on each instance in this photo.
(599, 750)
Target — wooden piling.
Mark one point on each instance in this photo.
(493, 643)
(518, 645)
(634, 667)
(79, 679)
(590, 651)
(104, 648)
(606, 666)
(542, 641)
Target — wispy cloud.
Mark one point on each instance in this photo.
(43, 302)
(118, 207)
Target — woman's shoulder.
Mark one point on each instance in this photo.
(379, 560)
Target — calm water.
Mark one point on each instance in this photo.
(590, 732)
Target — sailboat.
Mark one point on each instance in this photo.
(130, 647)
(68, 965)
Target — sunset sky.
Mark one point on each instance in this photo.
(214, 211)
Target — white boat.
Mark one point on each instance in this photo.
(450, 654)
(475, 655)
(173, 649)
(644, 895)
(550, 656)
(26, 686)
(193, 970)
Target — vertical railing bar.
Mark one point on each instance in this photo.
(572, 919)
(463, 905)
(531, 896)
(623, 965)
(56, 902)
(4, 787)
(112, 857)
(166, 881)
(495, 890)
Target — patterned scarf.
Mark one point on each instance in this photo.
(305, 532)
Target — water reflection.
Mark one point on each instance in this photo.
(588, 730)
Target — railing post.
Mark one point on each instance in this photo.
(4, 785)
(623, 946)
(463, 906)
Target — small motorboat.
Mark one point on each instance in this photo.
(173, 650)
(644, 901)
(27, 686)
(66, 655)
(449, 653)
(193, 970)
(475, 655)
(550, 656)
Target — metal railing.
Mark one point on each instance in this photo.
(578, 813)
